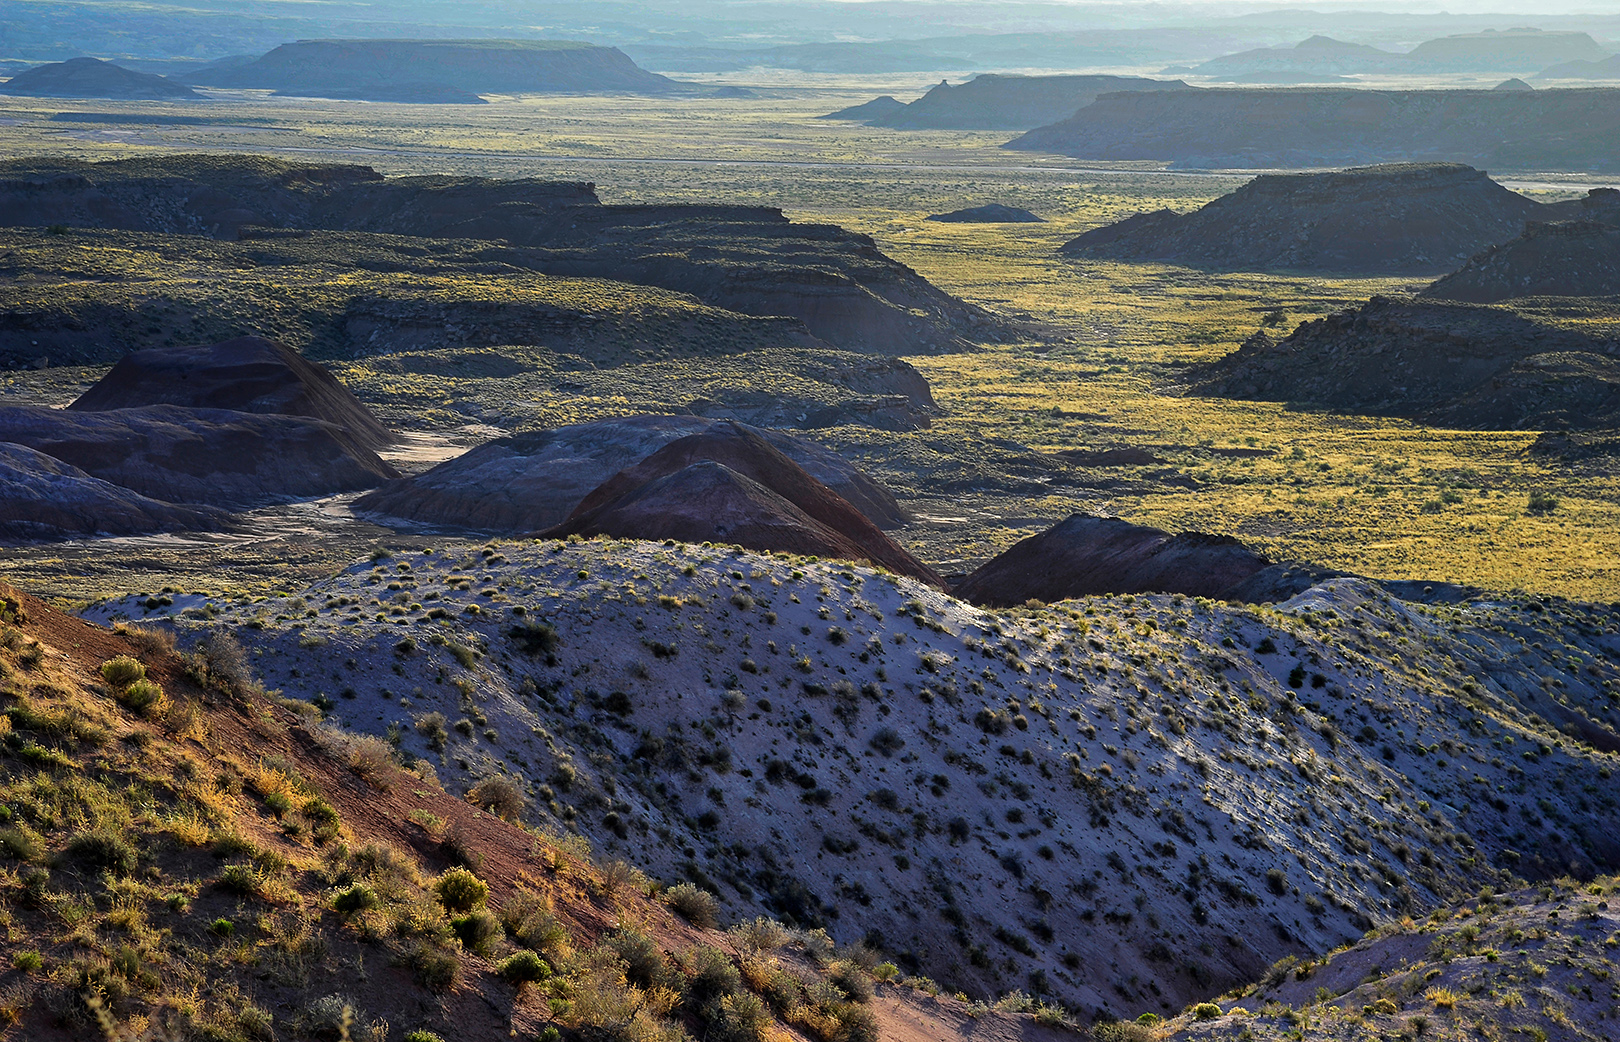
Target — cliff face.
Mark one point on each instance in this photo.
(1540, 130)
(382, 68)
(1388, 219)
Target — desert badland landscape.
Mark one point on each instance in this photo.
(751, 522)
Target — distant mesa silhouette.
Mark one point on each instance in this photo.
(437, 70)
(991, 213)
(94, 78)
(1086, 555)
(628, 504)
(1006, 102)
(1601, 69)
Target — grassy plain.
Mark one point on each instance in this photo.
(1378, 496)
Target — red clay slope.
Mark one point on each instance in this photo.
(1085, 555)
(627, 497)
(248, 374)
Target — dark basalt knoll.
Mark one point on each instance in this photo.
(1566, 259)
(232, 460)
(531, 481)
(1402, 218)
(1513, 84)
(1458, 365)
(751, 260)
(1604, 69)
(991, 213)
(1002, 102)
(744, 452)
(44, 499)
(94, 78)
(1329, 126)
(868, 112)
(248, 374)
(382, 69)
(1086, 555)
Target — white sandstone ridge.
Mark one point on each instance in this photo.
(1127, 803)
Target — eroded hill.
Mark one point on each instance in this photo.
(183, 856)
(1387, 219)
(1127, 803)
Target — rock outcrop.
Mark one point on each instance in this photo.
(535, 480)
(1401, 218)
(248, 374)
(1564, 259)
(43, 499)
(1086, 555)
(744, 259)
(94, 78)
(990, 213)
(1326, 127)
(410, 70)
(232, 460)
(703, 487)
(1456, 365)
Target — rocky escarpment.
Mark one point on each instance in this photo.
(44, 499)
(535, 480)
(1454, 364)
(1579, 258)
(248, 374)
(232, 460)
(744, 259)
(728, 484)
(1317, 127)
(1386, 219)
(1002, 102)
(1086, 555)
(94, 78)
(438, 70)
(1101, 790)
